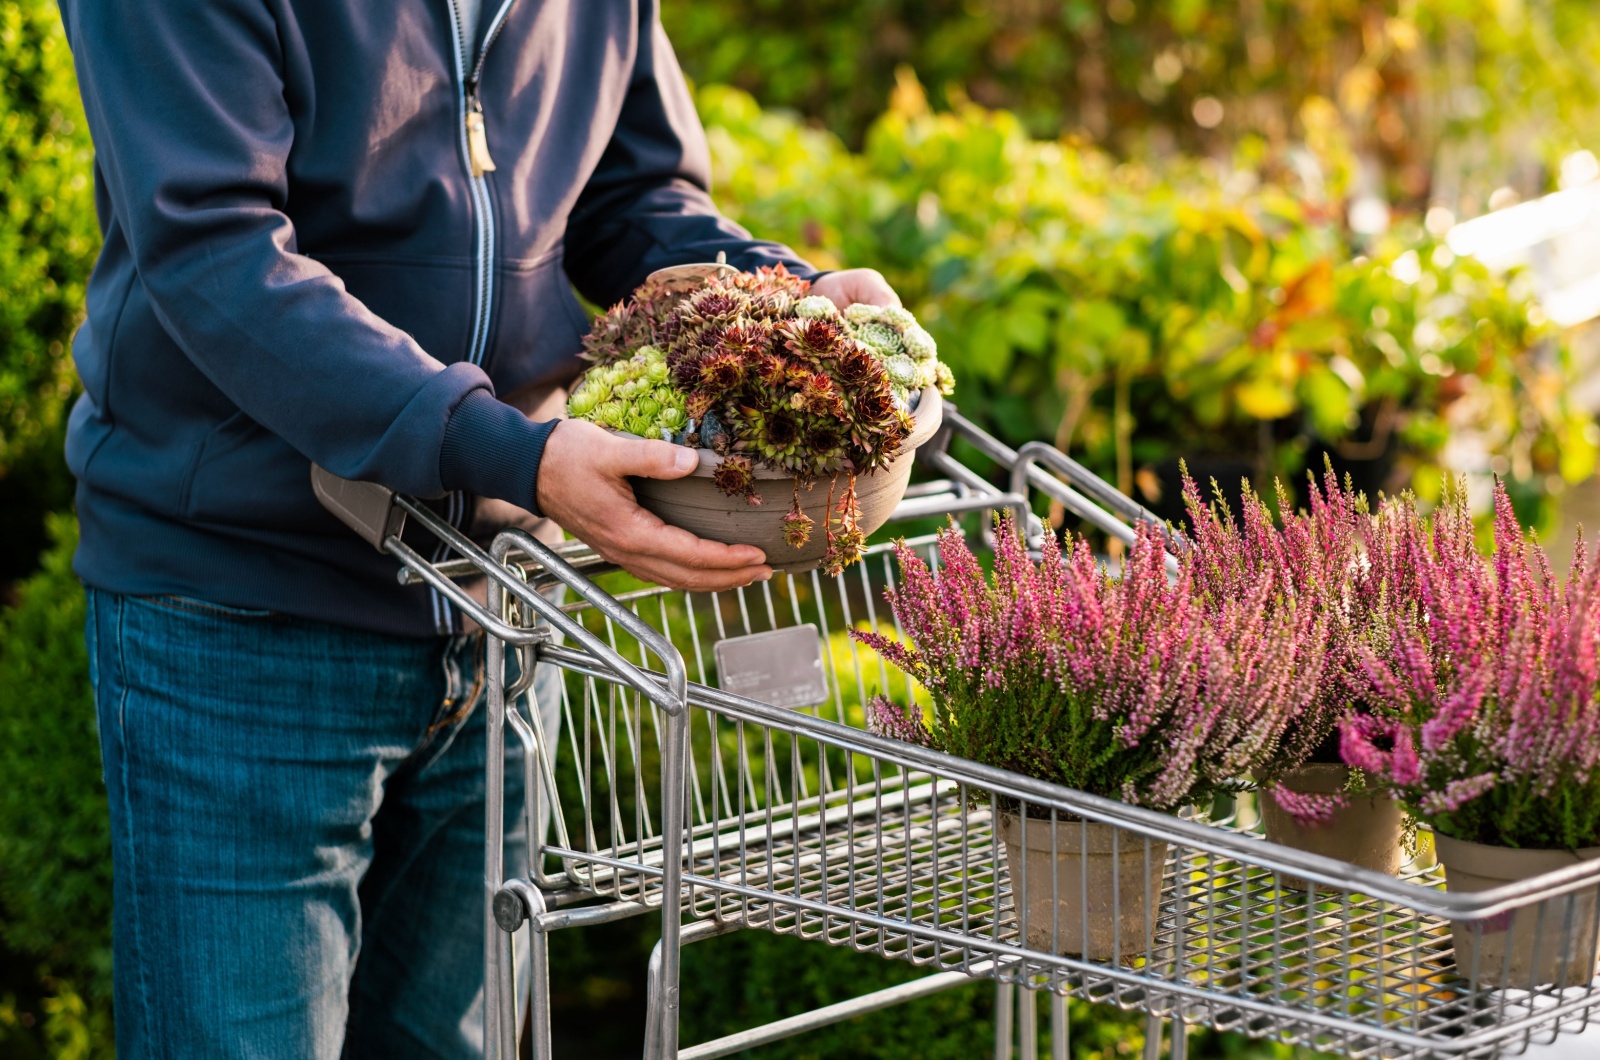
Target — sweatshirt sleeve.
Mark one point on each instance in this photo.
(647, 204)
(192, 133)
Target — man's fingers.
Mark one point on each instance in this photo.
(649, 459)
(647, 536)
(866, 286)
(699, 581)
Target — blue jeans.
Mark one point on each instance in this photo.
(297, 816)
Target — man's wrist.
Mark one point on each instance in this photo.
(492, 450)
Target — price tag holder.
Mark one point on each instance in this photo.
(782, 667)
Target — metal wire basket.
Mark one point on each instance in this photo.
(729, 784)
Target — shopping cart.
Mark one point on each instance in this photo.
(712, 766)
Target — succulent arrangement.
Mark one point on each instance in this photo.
(1483, 684)
(1130, 687)
(756, 369)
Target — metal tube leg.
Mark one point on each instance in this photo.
(1004, 1003)
(661, 1041)
(1180, 1040)
(499, 1029)
(1060, 1028)
(505, 986)
(1152, 1037)
(653, 1014)
(539, 990)
(1028, 1023)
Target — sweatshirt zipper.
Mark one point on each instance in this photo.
(475, 155)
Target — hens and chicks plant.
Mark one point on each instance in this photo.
(766, 375)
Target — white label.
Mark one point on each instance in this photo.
(782, 668)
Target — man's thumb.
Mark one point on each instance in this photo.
(651, 459)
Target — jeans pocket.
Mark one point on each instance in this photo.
(205, 608)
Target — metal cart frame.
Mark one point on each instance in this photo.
(725, 813)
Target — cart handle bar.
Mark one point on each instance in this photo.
(378, 515)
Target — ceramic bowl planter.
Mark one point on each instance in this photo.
(1553, 941)
(1366, 832)
(697, 505)
(1089, 892)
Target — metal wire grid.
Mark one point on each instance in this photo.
(612, 757)
(802, 827)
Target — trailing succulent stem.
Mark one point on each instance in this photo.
(797, 524)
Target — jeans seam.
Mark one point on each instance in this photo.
(127, 813)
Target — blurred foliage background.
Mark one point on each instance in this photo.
(1144, 229)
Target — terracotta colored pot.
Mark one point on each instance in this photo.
(1367, 833)
(1082, 899)
(695, 504)
(1553, 941)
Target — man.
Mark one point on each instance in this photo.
(342, 232)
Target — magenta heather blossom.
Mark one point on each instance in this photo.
(888, 718)
(1131, 688)
(1316, 556)
(1482, 677)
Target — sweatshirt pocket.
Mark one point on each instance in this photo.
(538, 326)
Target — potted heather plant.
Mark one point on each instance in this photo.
(781, 392)
(1127, 688)
(1308, 796)
(1486, 725)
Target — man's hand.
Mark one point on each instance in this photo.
(866, 286)
(583, 486)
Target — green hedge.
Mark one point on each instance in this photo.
(55, 856)
(48, 240)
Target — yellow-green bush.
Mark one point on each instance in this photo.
(1446, 95)
(1135, 314)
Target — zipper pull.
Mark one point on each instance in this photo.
(477, 141)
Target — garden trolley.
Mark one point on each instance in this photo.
(712, 766)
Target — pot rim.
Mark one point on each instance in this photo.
(1097, 838)
(930, 402)
(1505, 863)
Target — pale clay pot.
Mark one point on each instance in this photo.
(696, 505)
(1367, 832)
(1116, 896)
(1514, 949)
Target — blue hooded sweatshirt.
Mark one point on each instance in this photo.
(334, 231)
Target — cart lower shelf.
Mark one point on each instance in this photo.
(915, 873)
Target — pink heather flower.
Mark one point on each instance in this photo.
(1306, 807)
(1484, 674)
(1456, 794)
(1133, 687)
(1405, 768)
(888, 718)
(1356, 744)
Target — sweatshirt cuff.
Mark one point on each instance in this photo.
(492, 450)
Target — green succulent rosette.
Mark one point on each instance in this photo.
(635, 395)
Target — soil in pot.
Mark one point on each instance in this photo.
(1090, 892)
(1553, 941)
(1366, 832)
(695, 503)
